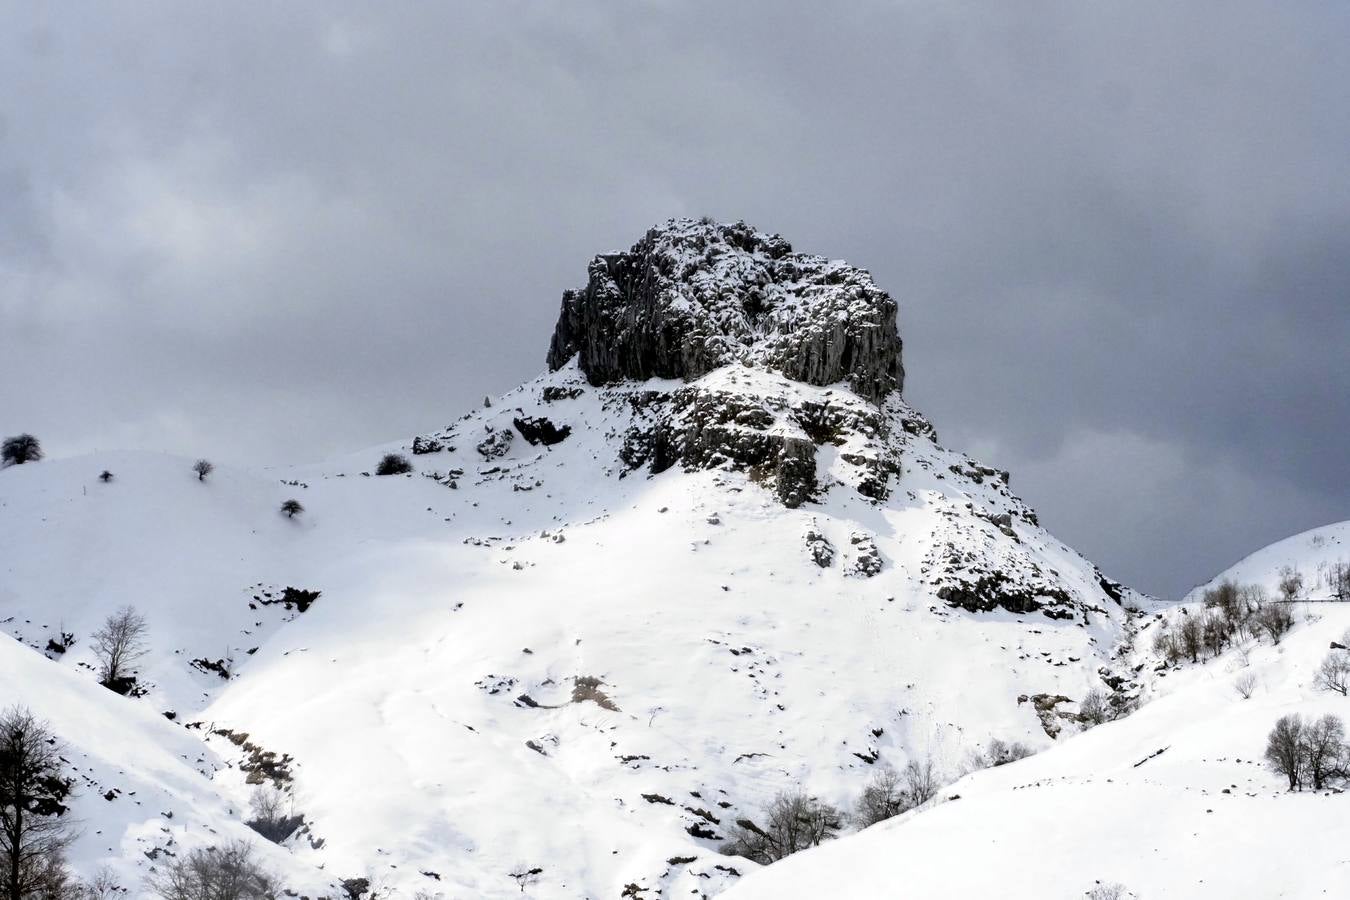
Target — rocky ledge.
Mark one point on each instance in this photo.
(693, 296)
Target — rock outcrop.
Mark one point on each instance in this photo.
(693, 296)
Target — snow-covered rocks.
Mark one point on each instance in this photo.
(693, 296)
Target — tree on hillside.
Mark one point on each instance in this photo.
(203, 467)
(292, 508)
(1291, 583)
(215, 873)
(1324, 751)
(793, 822)
(1334, 673)
(20, 449)
(1284, 749)
(118, 645)
(34, 833)
(105, 476)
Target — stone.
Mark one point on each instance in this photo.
(693, 296)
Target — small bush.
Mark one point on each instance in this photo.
(793, 822)
(273, 816)
(1245, 685)
(997, 753)
(393, 464)
(292, 508)
(20, 449)
(218, 873)
(105, 476)
(203, 467)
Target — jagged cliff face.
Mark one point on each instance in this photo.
(693, 296)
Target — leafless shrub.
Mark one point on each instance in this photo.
(203, 467)
(119, 644)
(103, 886)
(996, 753)
(1107, 892)
(1245, 685)
(273, 814)
(292, 508)
(793, 822)
(215, 873)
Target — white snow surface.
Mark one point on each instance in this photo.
(1172, 801)
(429, 699)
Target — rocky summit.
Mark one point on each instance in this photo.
(695, 295)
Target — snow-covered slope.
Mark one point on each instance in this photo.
(1172, 801)
(602, 618)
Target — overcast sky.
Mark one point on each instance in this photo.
(1118, 234)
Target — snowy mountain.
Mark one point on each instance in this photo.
(1172, 801)
(710, 556)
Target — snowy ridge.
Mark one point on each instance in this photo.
(1172, 801)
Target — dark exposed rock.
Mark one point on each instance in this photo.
(819, 547)
(693, 296)
(553, 393)
(539, 430)
(496, 443)
(866, 558)
(421, 445)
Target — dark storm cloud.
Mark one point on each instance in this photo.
(1118, 236)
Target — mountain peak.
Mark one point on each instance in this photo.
(694, 295)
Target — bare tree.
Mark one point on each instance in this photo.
(20, 449)
(1338, 580)
(794, 822)
(1166, 645)
(1284, 749)
(1093, 708)
(1323, 749)
(119, 644)
(1291, 583)
(292, 508)
(105, 476)
(103, 886)
(1274, 619)
(883, 798)
(922, 781)
(203, 467)
(1191, 637)
(1334, 673)
(34, 834)
(215, 873)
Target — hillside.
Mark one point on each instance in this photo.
(1172, 801)
(711, 555)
